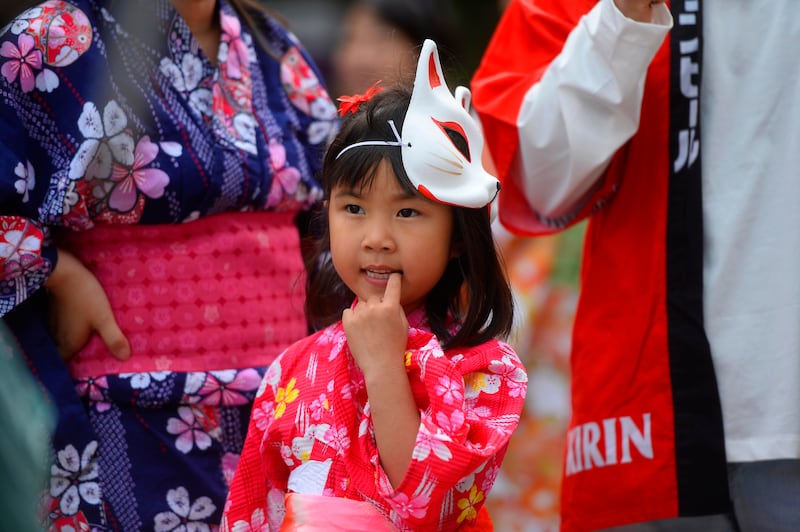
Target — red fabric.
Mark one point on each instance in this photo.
(215, 293)
(311, 432)
(620, 382)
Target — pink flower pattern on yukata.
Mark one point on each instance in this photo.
(237, 53)
(95, 388)
(285, 178)
(129, 181)
(222, 388)
(22, 61)
(189, 430)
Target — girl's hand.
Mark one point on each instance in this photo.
(79, 307)
(377, 330)
(638, 10)
(377, 334)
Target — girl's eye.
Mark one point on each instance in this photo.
(352, 209)
(407, 213)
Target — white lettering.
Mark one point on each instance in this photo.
(591, 437)
(688, 139)
(585, 441)
(610, 432)
(573, 451)
(640, 439)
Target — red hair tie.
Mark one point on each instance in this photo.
(350, 104)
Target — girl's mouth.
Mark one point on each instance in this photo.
(382, 275)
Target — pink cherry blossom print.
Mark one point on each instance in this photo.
(238, 53)
(229, 387)
(189, 431)
(285, 178)
(131, 180)
(95, 389)
(23, 59)
(405, 507)
(284, 183)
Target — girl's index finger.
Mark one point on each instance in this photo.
(392, 292)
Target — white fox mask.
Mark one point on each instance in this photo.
(441, 143)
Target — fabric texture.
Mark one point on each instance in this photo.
(190, 295)
(311, 432)
(113, 116)
(645, 439)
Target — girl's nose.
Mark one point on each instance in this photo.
(378, 237)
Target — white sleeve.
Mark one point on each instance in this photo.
(585, 107)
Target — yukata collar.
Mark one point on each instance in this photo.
(151, 21)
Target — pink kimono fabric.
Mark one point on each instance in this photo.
(311, 432)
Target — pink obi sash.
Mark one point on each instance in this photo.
(317, 513)
(225, 291)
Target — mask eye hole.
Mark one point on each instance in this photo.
(456, 134)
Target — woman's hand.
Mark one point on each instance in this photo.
(79, 307)
(638, 10)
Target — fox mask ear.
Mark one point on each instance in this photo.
(441, 143)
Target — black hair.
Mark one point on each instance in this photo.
(473, 288)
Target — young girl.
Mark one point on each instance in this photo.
(397, 416)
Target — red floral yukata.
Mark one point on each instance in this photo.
(311, 432)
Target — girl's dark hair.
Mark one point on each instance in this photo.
(474, 287)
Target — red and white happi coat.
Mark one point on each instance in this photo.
(645, 439)
(311, 432)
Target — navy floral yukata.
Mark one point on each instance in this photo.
(111, 114)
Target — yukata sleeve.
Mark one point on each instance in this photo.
(26, 259)
(559, 92)
(256, 496)
(470, 404)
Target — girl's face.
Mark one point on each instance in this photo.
(383, 229)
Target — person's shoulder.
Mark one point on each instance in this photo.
(54, 19)
(61, 31)
(482, 356)
(328, 337)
